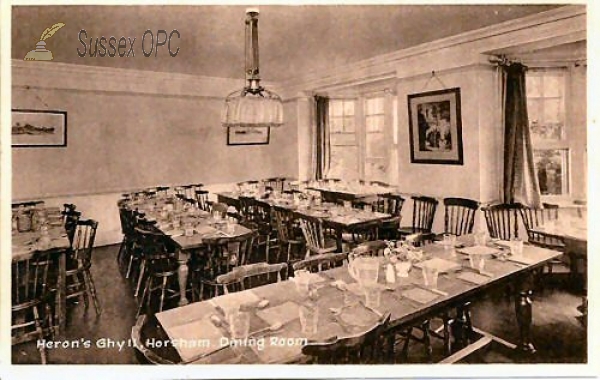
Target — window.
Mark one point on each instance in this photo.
(546, 110)
(375, 145)
(344, 144)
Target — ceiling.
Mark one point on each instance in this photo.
(292, 39)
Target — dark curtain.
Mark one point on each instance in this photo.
(520, 179)
(322, 137)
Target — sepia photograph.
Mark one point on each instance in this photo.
(389, 184)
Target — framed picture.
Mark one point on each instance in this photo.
(39, 128)
(435, 127)
(248, 135)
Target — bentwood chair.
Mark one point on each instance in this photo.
(423, 214)
(317, 242)
(201, 197)
(459, 215)
(287, 234)
(221, 255)
(371, 347)
(503, 220)
(250, 276)
(160, 270)
(80, 282)
(322, 262)
(32, 297)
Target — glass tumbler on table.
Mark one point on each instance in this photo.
(239, 322)
(430, 276)
(309, 318)
(372, 296)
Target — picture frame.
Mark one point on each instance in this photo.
(38, 128)
(248, 135)
(435, 127)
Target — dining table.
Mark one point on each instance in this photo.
(26, 244)
(339, 218)
(199, 332)
(348, 191)
(188, 227)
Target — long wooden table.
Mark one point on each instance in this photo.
(24, 246)
(192, 323)
(334, 216)
(204, 228)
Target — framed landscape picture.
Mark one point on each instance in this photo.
(248, 135)
(435, 127)
(39, 128)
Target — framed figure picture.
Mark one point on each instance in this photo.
(39, 128)
(248, 135)
(435, 127)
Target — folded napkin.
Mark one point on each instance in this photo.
(195, 338)
(235, 300)
(420, 295)
(283, 313)
(473, 278)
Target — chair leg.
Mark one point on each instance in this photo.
(145, 296)
(91, 288)
(40, 331)
(140, 278)
(427, 341)
(163, 289)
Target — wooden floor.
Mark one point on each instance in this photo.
(558, 335)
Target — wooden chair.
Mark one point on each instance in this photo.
(162, 191)
(459, 215)
(314, 235)
(201, 197)
(533, 217)
(503, 220)
(275, 183)
(71, 217)
(160, 272)
(251, 275)
(370, 347)
(286, 233)
(221, 255)
(423, 214)
(357, 234)
(246, 212)
(389, 204)
(32, 297)
(127, 226)
(80, 282)
(322, 262)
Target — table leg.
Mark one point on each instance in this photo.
(523, 309)
(61, 299)
(339, 240)
(182, 273)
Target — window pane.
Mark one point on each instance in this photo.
(342, 139)
(375, 145)
(533, 84)
(374, 106)
(344, 163)
(375, 123)
(553, 110)
(348, 107)
(336, 124)
(336, 108)
(349, 123)
(553, 85)
(551, 166)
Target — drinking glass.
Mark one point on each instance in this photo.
(309, 318)
(239, 323)
(449, 241)
(516, 247)
(302, 280)
(230, 227)
(372, 296)
(430, 276)
(480, 238)
(477, 262)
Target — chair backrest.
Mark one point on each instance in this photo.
(162, 191)
(369, 248)
(126, 218)
(158, 250)
(246, 211)
(389, 204)
(312, 229)
(533, 217)
(71, 218)
(275, 183)
(284, 223)
(201, 197)
(503, 220)
(366, 348)
(252, 275)
(221, 257)
(423, 213)
(318, 263)
(31, 278)
(83, 241)
(459, 215)
(220, 207)
(262, 212)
